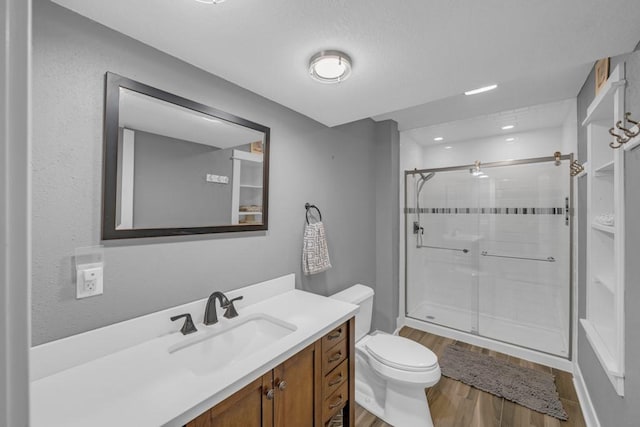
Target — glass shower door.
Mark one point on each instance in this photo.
(488, 251)
(441, 249)
(524, 255)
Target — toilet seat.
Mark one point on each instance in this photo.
(401, 353)
(425, 376)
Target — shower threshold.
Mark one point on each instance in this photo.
(533, 337)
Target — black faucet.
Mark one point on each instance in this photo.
(210, 315)
(188, 327)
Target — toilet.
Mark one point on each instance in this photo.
(391, 371)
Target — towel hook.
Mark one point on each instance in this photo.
(308, 206)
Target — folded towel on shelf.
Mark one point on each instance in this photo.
(605, 219)
(315, 254)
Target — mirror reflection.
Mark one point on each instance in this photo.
(183, 170)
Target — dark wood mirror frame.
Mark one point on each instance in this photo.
(113, 83)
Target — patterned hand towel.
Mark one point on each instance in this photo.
(315, 254)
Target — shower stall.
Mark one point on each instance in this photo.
(488, 250)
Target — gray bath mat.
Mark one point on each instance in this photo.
(530, 388)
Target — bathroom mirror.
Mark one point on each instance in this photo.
(173, 166)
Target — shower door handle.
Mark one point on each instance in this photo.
(547, 259)
(443, 248)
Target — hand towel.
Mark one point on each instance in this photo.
(315, 254)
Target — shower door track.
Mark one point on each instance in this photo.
(570, 215)
(489, 165)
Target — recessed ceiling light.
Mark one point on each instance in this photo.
(448, 147)
(480, 90)
(210, 1)
(510, 139)
(438, 138)
(330, 66)
(507, 127)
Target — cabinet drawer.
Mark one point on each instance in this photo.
(334, 403)
(333, 337)
(334, 356)
(335, 379)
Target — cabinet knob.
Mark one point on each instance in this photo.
(270, 394)
(336, 403)
(335, 357)
(336, 380)
(282, 385)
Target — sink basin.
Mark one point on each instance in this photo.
(242, 337)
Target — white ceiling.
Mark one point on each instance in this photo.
(551, 115)
(145, 113)
(405, 53)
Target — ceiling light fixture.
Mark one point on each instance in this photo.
(330, 66)
(510, 139)
(507, 127)
(210, 1)
(448, 147)
(480, 90)
(438, 138)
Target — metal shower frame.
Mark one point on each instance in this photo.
(554, 158)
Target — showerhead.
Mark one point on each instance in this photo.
(427, 177)
(424, 178)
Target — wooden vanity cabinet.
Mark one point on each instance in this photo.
(307, 390)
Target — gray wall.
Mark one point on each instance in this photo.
(387, 166)
(170, 186)
(612, 410)
(331, 167)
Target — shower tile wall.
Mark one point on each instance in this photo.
(520, 301)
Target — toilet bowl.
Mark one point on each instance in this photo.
(391, 371)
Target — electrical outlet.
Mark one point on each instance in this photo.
(89, 280)
(219, 179)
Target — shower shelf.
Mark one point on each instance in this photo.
(604, 228)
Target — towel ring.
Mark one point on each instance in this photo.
(308, 206)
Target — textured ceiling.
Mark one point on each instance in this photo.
(406, 53)
(541, 116)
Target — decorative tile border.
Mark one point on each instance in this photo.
(489, 211)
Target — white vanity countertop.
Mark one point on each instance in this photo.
(142, 385)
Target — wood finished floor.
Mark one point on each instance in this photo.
(454, 404)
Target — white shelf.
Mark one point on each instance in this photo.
(604, 228)
(606, 282)
(605, 322)
(613, 371)
(606, 169)
(247, 185)
(600, 109)
(634, 142)
(247, 156)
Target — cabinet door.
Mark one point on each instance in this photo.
(242, 409)
(297, 382)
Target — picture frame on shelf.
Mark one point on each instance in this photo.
(602, 73)
(256, 147)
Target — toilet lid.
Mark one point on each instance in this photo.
(401, 353)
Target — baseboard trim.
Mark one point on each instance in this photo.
(588, 410)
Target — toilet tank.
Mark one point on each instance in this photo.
(363, 296)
